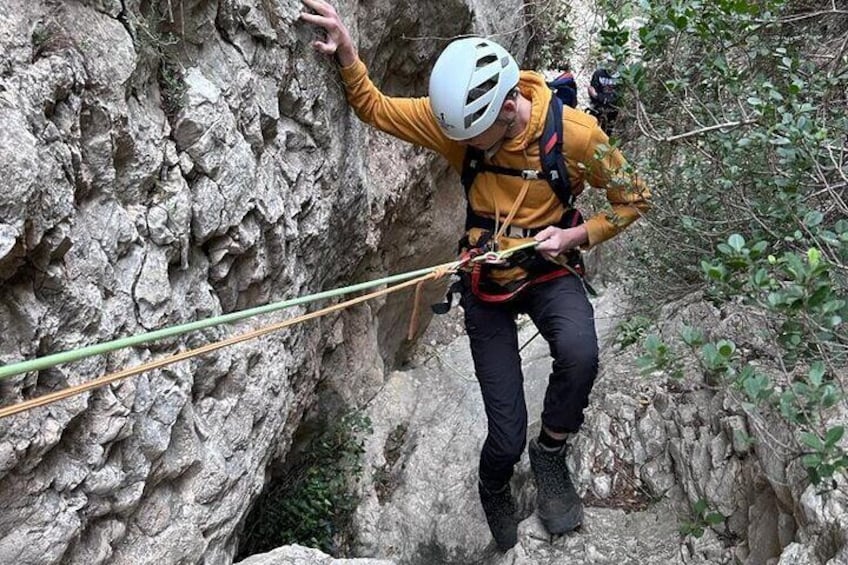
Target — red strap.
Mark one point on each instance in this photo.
(476, 274)
(551, 142)
(489, 297)
(551, 276)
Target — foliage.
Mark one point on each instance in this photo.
(741, 124)
(659, 357)
(312, 505)
(631, 331)
(801, 402)
(739, 112)
(701, 519)
(552, 41)
(158, 44)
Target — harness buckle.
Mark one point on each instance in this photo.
(530, 174)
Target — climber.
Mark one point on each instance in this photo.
(480, 104)
(604, 95)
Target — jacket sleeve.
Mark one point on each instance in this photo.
(410, 119)
(626, 192)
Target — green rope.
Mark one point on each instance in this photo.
(108, 346)
(54, 359)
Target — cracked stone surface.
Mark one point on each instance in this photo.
(650, 449)
(164, 162)
(157, 169)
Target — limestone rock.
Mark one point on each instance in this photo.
(299, 555)
(164, 162)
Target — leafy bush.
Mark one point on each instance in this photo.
(312, 505)
(552, 41)
(739, 112)
(631, 331)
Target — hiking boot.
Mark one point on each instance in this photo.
(499, 508)
(557, 503)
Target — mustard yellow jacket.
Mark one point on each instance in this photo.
(585, 148)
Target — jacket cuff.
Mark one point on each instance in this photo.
(353, 72)
(595, 229)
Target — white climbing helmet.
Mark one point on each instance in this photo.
(469, 84)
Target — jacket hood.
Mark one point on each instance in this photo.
(532, 86)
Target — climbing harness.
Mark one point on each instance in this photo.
(500, 281)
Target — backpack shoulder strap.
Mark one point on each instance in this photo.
(550, 153)
(472, 164)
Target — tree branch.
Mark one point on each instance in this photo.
(708, 128)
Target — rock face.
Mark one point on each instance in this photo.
(298, 555)
(167, 161)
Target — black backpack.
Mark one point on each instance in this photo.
(565, 88)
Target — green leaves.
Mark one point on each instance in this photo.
(757, 387)
(751, 215)
(553, 29)
(701, 519)
(812, 441)
(631, 331)
(826, 458)
(313, 504)
(658, 357)
(833, 436)
(736, 242)
(717, 357)
(791, 284)
(692, 336)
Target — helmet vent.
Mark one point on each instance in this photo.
(485, 61)
(481, 90)
(476, 93)
(474, 117)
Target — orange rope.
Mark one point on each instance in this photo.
(416, 312)
(159, 363)
(416, 305)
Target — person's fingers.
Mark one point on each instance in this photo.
(326, 23)
(546, 246)
(325, 48)
(319, 6)
(545, 233)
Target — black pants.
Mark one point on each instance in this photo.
(606, 116)
(564, 317)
